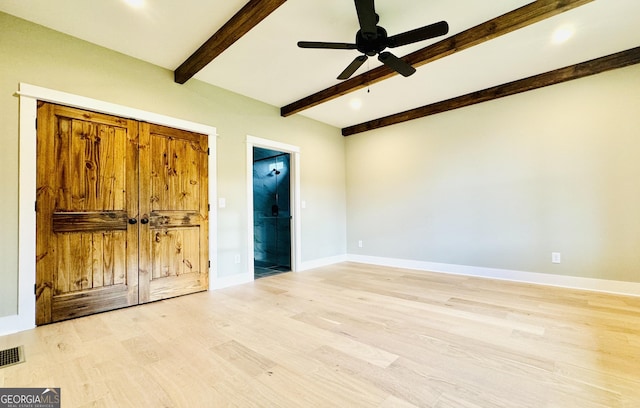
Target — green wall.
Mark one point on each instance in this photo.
(38, 56)
(504, 184)
(499, 185)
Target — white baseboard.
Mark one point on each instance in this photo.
(26, 321)
(228, 281)
(15, 323)
(573, 282)
(318, 263)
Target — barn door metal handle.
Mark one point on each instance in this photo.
(145, 220)
(133, 221)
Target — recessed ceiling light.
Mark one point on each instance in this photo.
(355, 103)
(135, 3)
(563, 34)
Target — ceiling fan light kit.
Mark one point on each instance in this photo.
(371, 39)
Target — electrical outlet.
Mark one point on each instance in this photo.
(237, 259)
(360, 244)
(556, 257)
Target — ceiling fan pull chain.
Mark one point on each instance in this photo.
(368, 83)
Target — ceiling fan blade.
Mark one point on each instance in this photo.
(327, 45)
(367, 17)
(419, 34)
(395, 63)
(353, 67)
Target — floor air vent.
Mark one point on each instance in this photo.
(11, 356)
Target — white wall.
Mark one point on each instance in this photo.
(505, 183)
(35, 55)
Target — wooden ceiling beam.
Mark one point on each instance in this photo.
(529, 14)
(595, 66)
(248, 17)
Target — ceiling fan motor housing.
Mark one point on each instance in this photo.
(371, 39)
(372, 45)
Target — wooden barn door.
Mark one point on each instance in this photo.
(96, 242)
(87, 189)
(174, 210)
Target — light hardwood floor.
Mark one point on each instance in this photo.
(348, 335)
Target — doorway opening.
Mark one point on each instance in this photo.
(271, 212)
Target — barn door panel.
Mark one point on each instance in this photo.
(87, 190)
(174, 212)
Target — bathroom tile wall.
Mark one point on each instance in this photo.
(272, 215)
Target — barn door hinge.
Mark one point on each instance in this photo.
(209, 264)
(35, 206)
(36, 123)
(35, 289)
(208, 207)
(208, 151)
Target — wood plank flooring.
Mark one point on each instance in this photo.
(347, 335)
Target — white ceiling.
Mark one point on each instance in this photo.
(267, 65)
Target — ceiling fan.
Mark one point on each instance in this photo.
(372, 39)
